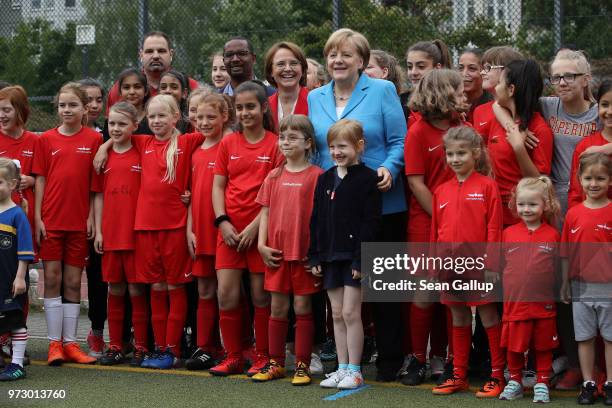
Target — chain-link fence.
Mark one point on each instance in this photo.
(38, 47)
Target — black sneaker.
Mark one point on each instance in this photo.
(112, 356)
(607, 389)
(200, 360)
(447, 374)
(415, 374)
(328, 350)
(588, 393)
(138, 357)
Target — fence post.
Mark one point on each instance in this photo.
(557, 15)
(336, 14)
(143, 20)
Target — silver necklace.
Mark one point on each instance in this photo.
(341, 98)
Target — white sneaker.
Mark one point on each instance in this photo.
(437, 366)
(333, 379)
(352, 380)
(316, 366)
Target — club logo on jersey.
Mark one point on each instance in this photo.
(179, 151)
(26, 153)
(84, 150)
(475, 197)
(431, 149)
(546, 248)
(603, 227)
(211, 164)
(6, 242)
(263, 159)
(287, 184)
(136, 168)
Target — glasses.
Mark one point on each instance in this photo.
(489, 67)
(241, 54)
(290, 139)
(292, 64)
(568, 78)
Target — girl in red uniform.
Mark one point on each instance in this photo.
(115, 210)
(243, 161)
(214, 117)
(467, 208)
(175, 83)
(286, 197)
(426, 170)
(193, 102)
(64, 218)
(529, 320)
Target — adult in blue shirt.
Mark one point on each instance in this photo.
(374, 103)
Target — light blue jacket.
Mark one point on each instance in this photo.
(375, 104)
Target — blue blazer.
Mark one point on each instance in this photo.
(375, 104)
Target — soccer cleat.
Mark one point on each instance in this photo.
(607, 393)
(451, 386)
(316, 366)
(113, 356)
(229, 366)
(96, 344)
(415, 373)
(257, 365)
(301, 375)
(540, 393)
(74, 354)
(588, 393)
(352, 380)
(436, 365)
(12, 372)
(491, 389)
(512, 391)
(447, 374)
(333, 379)
(138, 357)
(161, 361)
(570, 380)
(56, 353)
(271, 371)
(200, 360)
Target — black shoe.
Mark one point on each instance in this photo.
(587, 393)
(200, 360)
(415, 373)
(112, 357)
(138, 357)
(447, 374)
(328, 351)
(607, 389)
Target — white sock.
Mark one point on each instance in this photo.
(19, 338)
(54, 313)
(71, 320)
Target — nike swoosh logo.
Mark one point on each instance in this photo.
(187, 275)
(575, 230)
(431, 149)
(107, 170)
(232, 157)
(55, 152)
(511, 250)
(149, 151)
(443, 205)
(554, 338)
(482, 123)
(2, 152)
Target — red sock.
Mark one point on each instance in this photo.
(462, 343)
(304, 335)
(262, 315)
(277, 333)
(543, 363)
(438, 336)
(159, 316)
(176, 319)
(420, 327)
(140, 320)
(498, 358)
(449, 333)
(516, 363)
(116, 309)
(207, 317)
(230, 322)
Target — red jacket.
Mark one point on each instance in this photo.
(301, 106)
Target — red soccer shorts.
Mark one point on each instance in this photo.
(291, 277)
(162, 256)
(69, 247)
(229, 258)
(204, 267)
(119, 266)
(538, 334)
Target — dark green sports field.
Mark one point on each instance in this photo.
(123, 386)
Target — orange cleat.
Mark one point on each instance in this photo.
(56, 354)
(492, 388)
(451, 386)
(74, 354)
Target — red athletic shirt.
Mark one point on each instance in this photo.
(246, 166)
(202, 213)
(159, 202)
(575, 194)
(413, 118)
(483, 117)
(587, 239)
(121, 187)
(21, 149)
(506, 167)
(529, 273)
(66, 162)
(290, 198)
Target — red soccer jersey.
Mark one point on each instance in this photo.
(121, 187)
(529, 273)
(159, 202)
(575, 194)
(21, 149)
(289, 197)
(424, 155)
(202, 213)
(66, 164)
(587, 235)
(483, 117)
(413, 118)
(245, 165)
(506, 167)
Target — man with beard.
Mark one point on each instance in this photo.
(239, 58)
(156, 59)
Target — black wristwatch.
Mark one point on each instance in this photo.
(220, 219)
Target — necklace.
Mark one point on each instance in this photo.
(341, 98)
